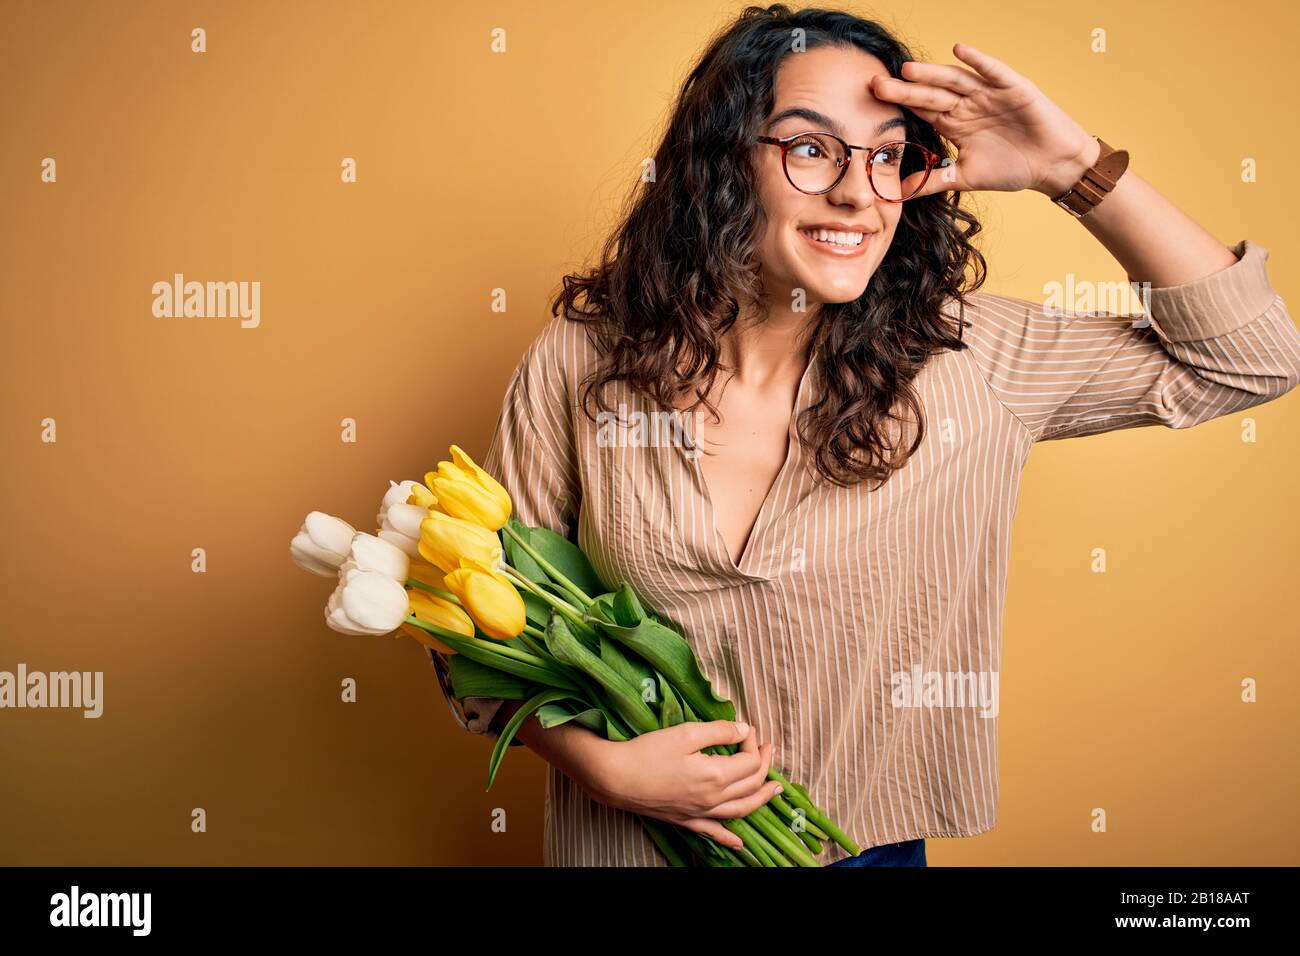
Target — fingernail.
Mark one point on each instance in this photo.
(742, 727)
(780, 789)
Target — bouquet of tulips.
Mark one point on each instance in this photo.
(521, 615)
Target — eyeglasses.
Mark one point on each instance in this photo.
(816, 162)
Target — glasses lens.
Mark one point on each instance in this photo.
(898, 170)
(813, 162)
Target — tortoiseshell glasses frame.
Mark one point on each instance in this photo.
(932, 160)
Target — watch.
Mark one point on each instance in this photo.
(1094, 185)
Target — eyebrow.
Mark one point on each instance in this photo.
(825, 122)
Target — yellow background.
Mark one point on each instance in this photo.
(480, 171)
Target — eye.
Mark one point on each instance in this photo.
(808, 147)
(891, 155)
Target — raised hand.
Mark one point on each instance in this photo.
(1008, 134)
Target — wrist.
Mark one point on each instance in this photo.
(1065, 175)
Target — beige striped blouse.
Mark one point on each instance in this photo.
(861, 630)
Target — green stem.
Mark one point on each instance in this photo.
(799, 797)
(658, 833)
(447, 595)
(551, 674)
(753, 842)
(705, 851)
(767, 823)
(553, 572)
(505, 650)
(528, 584)
(758, 842)
(747, 857)
(811, 842)
(571, 613)
(532, 644)
(784, 809)
(730, 856)
(814, 818)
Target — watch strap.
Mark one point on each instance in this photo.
(1096, 183)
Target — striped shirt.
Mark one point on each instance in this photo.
(861, 630)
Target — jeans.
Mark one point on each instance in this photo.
(907, 853)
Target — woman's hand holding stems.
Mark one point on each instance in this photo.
(662, 774)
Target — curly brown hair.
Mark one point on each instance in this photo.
(674, 273)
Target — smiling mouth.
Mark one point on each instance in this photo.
(844, 240)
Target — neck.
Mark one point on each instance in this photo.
(772, 346)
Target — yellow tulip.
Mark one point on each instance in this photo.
(494, 487)
(465, 490)
(490, 598)
(422, 496)
(435, 610)
(426, 573)
(444, 540)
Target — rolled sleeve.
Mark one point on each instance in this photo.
(474, 714)
(1211, 347)
(1216, 304)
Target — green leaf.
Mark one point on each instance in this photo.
(670, 844)
(616, 731)
(594, 696)
(628, 666)
(554, 714)
(512, 727)
(597, 720)
(703, 849)
(469, 678)
(517, 557)
(561, 712)
(627, 607)
(626, 701)
(536, 611)
(604, 605)
(593, 718)
(567, 558)
(670, 709)
(666, 650)
(546, 676)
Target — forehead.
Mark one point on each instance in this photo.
(833, 80)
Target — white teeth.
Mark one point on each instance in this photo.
(838, 238)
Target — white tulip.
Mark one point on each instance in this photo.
(397, 494)
(366, 602)
(402, 527)
(322, 545)
(371, 553)
(399, 522)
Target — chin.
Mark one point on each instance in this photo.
(836, 293)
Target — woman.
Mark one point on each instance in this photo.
(837, 555)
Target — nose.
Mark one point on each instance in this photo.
(854, 188)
